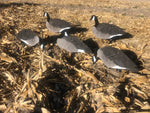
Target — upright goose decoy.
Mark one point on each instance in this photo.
(28, 37)
(115, 58)
(72, 44)
(105, 30)
(56, 25)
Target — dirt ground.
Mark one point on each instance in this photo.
(55, 81)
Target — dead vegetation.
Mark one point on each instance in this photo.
(53, 80)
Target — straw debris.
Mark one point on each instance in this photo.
(53, 80)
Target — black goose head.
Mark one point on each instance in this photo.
(93, 17)
(47, 15)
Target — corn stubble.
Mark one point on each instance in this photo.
(32, 80)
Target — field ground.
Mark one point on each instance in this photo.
(56, 81)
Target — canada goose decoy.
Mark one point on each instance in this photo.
(28, 37)
(72, 44)
(115, 58)
(105, 30)
(56, 25)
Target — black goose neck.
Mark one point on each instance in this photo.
(48, 17)
(96, 21)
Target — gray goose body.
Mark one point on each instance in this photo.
(73, 44)
(115, 58)
(28, 37)
(56, 25)
(105, 30)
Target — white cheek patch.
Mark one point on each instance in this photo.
(66, 34)
(118, 67)
(80, 51)
(42, 46)
(93, 18)
(45, 14)
(94, 59)
(64, 29)
(115, 36)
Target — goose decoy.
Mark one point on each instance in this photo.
(115, 58)
(72, 44)
(105, 30)
(28, 37)
(56, 25)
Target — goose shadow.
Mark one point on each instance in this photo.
(125, 36)
(134, 58)
(75, 30)
(50, 39)
(91, 44)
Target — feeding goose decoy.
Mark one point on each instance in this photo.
(115, 58)
(72, 44)
(105, 30)
(28, 37)
(56, 25)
